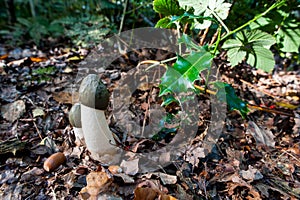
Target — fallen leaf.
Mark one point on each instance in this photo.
(13, 111)
(251, 174)
(166, 197)
(115, 169)
(42, 59)
(66, 97)
(144, 193)
(261, 136)
(193, 154)
(130, 167)
(96, 183)
(38, 112)
(125, 178)
(166, 178)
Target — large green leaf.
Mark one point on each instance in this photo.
(167, 7)
(232, 100)
(182, 75)
(261, 58)
(285, 27)
(254, 45)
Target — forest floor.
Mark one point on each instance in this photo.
(254, 158)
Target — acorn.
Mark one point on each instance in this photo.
(54, 161)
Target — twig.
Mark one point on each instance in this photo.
(261, 90)
(204, 36)
(251, 106)
(37, 129)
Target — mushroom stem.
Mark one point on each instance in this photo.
(98, 138)
(79, 136)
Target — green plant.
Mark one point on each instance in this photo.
(251, 42)
(83, 22)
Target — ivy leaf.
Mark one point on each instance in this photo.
(181, 76)
(232, 100)
(254, 45)
(167, 7)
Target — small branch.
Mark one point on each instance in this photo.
(156, 63)
(204, 36)
(251, 106)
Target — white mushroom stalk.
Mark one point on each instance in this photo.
(75, 121)
(94, 98)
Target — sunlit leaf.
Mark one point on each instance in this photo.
(252, 45)
(290, 35)
(167, 7)
(206, 8)
(181, 76)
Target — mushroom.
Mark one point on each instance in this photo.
(75, 121)
(94, 98)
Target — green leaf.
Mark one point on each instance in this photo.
(232, 100)
(163, 23)
(181, 76)
(259, 38)
(254, 45)
(261, 58)
(185, 39)
(290, 34)
(167, 7)
(207, 8)
(168, 99)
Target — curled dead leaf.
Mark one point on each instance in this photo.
(96, 183)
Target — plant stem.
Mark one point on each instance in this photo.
(221, 22)
(218, 40)
(123, 16)
(275, 5)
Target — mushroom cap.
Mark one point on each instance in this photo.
(75, 115)
(93, 93)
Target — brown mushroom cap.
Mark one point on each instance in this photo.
(93, 93)
(75, 116)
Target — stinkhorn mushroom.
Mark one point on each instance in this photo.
(94, 98)
(75, 121)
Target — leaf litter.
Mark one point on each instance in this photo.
(253, 159)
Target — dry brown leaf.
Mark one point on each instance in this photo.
(13, 111)
(115, 169)
(42, 59)
(144, 193)
(66, 97)
(261, 136)
(96, 183)
(251, 174)
(130, 167)
(166, 197)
